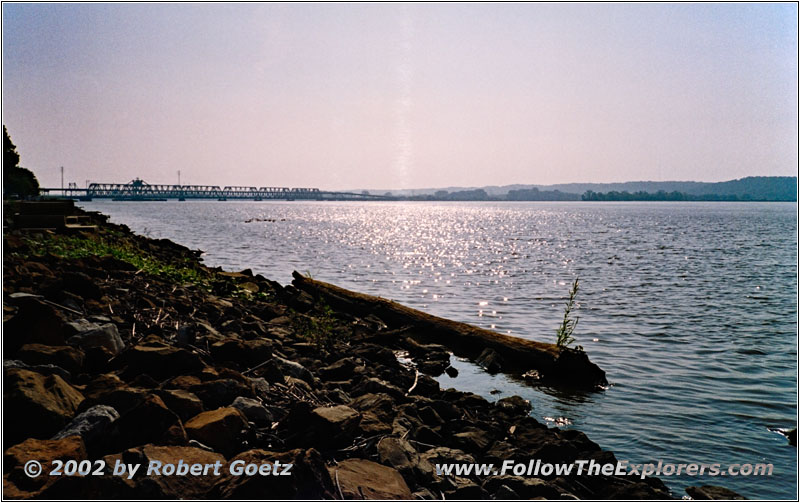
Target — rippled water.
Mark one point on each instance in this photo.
(690, 308)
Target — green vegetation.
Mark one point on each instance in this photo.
(16, 180)
(321, 329)
(78, 246)
(564, 332)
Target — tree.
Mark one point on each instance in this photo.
(16, 179)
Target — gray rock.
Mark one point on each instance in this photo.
(44, 369)
(105, 336)
(254, 410)
(294, 369)
(80, 325)
(260, 385)
(91, 424)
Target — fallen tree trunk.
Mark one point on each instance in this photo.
(553, 364)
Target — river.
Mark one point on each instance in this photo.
(690, 308)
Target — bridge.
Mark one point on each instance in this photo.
(139, 190)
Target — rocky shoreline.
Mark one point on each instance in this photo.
(128, 350)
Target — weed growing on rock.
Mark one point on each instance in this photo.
(320, 329)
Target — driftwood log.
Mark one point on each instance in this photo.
(554, 365)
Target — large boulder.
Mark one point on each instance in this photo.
(222, 429)
(364, 479)
(40, 405)
(18, 485)
(148, 422)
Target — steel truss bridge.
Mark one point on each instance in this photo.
(139, 190)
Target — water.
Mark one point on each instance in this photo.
(690, 308)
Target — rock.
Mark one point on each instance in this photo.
(260, 386)
(363, 479)
(221, 429)
(66, 357)
(400, 455)
(451, 371)
(294, 369)
(34, 323)
(80, 284)
(470, 401)
(91, 425)
(524, 487)
(102, 384)
(122, 399)
(792, 436)
(254, 410)
(433, 368)
(309, 479)
(221, 392)
(429, 416)
(375, 385)
(377, 354)
(159, 362)
(472, 441)
(184, 403)
(639, 490)
(370, 425)
(77, 326)
(149, 422)
(105, 336)
(426, 386)
(41, 405)
(712, 493)
(188, 486)
(469, 491)
(490, 361)
(380, 404)
(440, 455)
(339, 370)
(425, 494)
(45, 370)
(505, 493)
(514, 405)
(16, 484)
(335, 425)
(246, 353)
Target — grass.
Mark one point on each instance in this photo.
(564, 332)
(113, 243)
(82, 246)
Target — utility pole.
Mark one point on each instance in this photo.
(62, 180)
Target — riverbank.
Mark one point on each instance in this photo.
(122, 348)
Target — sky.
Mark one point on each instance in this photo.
(391, 96)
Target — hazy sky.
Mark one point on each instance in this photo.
(401, 95)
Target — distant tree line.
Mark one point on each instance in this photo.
(661, 195)
(532, 194)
